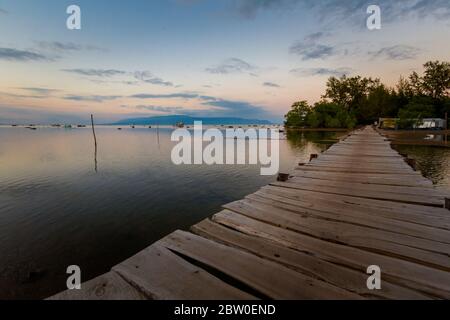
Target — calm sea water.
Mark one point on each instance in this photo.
(60, 205)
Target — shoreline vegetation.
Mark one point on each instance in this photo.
(349, 102)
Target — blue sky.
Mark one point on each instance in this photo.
(247, 58)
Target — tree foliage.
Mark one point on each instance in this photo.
(349, 101)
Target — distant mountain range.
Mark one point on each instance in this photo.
(172, 120)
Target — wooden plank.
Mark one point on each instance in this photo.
(371, 203)
(402, 166)
(271, 279)
(410, 190)
(426, 252)
(342, 205)
(109, 286)
(161, 275)
(343, 277)
(356, 170)
(381, 179)
(353, 217)
(379, 195)
(433, 282)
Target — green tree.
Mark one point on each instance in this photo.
(330, 115)
(349, 92)
(436, 79)
(296, 117)
(415, 111)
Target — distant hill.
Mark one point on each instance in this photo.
(172, 120)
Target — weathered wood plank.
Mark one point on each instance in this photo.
(344, 206)
(421, 251)
(370, 203)
(346, 278)
(353, 217)
(418, 277)
(162, 275)
(358, 192)
(410, 190)
(271, 279)
(109, 286)
(381, 179)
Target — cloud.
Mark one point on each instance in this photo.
(12, 54)
(164, 109)
(309, 48)
(67, 46)
(233, 107)
(3, 11)
(348, 11)
(40, 91)
(138, 76)
(102, 73)
(315, 36)
(91, 98)
(221, 107)
(148, 77)
(397, 52)
(308, 72)
(165, 96)
(233, 65)
(271, 84)
(250, 8)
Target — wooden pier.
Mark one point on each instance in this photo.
(312, 237)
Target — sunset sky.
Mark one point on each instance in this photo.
(242, 58)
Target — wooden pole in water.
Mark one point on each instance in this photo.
(313, 156)
(447, 203)
(93, 130)
(446, 127)
(95, 142)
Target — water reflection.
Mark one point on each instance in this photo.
(433, 162)
(55, 211)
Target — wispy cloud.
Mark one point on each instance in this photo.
(41, 91)
(148, 77)
(67, 46)
(159, 108)
(103, 73)
(308, 72)
(3, 11)
(165, 96)
(91, 98)
(310, 48)
(337, 9)
(249, 8)
(271, 84)
(138, 76)
(12, 54)
(233, 65)
(397, 52)
(221, 107)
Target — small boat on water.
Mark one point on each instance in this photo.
(81, 126)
